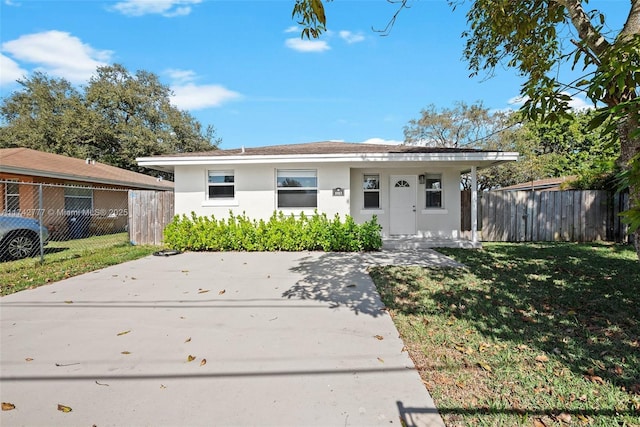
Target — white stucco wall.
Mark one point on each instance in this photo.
(255, 194)
(444, 222)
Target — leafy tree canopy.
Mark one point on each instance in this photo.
(115, 118)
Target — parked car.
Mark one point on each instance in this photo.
(20, 237)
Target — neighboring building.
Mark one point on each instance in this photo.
(413, 191)
(547, 184)
(73, 185)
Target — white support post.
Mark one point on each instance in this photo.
(474, 204)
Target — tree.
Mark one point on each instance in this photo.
(114, 119)
(531, 37)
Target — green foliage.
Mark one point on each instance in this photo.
(280, 233)
(117, 117)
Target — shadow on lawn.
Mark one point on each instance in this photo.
(572, 301)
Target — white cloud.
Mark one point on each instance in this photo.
(167, 8)
(350, 37)
(381, 141)
(189, 96)
(59, 54)
(292, 29)
(302, 45)
(576, 103)
(181, 76)
(11, 71)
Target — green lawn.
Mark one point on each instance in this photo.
(527, 334)
(69, 258)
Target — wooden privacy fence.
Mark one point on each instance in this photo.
(149, 212)
(530, 216)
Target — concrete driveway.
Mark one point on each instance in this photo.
(224, 339)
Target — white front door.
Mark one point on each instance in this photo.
(402, 200)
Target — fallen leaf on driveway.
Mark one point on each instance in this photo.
(68, 302)
(107, 385)
(124, 332)
(125, 352)
(188, 340)
(378, 337)
(203, 291)
(380, 359)
(29, 359)
(191, 358)
(203, 362)
(6, 406)
(64, 408)
(222, 292)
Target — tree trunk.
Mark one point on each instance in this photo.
(630, 147)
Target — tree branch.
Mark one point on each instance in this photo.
(593, 39)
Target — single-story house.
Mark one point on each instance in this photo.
(546, 184)
(70, 185)
(412, 190)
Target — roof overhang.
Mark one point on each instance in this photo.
(80, 178)
(462, 160)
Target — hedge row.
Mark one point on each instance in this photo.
(279, 233)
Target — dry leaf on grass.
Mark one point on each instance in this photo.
(64, 408)
(537, 422)
(542, 358)
(564, 417)
(6, 406)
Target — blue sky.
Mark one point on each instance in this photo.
(242, 67)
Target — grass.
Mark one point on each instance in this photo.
(69, 258)
(527, 334)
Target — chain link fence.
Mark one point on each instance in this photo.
(40, 219)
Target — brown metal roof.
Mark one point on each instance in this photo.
(323, 148)
(25, 161)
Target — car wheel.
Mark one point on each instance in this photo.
(20, 246)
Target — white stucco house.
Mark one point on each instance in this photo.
(413, 191)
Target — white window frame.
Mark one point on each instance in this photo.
(428, 190)
(7, 196)
(366, 190)
(221, 199)
(283, 173)
(77, 196)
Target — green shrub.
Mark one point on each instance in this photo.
(279, 233)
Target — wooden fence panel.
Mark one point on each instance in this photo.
(589, 215)
(149, 213)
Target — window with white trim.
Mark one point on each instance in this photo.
(221, 185)
(11, 197)
(78, 199)
(433, 190)
(371, 189)
(297, 188)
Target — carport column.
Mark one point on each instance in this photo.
(474, 204)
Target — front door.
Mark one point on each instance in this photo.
(402, 200)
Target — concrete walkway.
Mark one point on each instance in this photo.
(277, 339)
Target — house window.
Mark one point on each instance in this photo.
(12, 197)
(433, 186)
(78, 199)
(371, 188)
(297, 188)
(221, 185)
